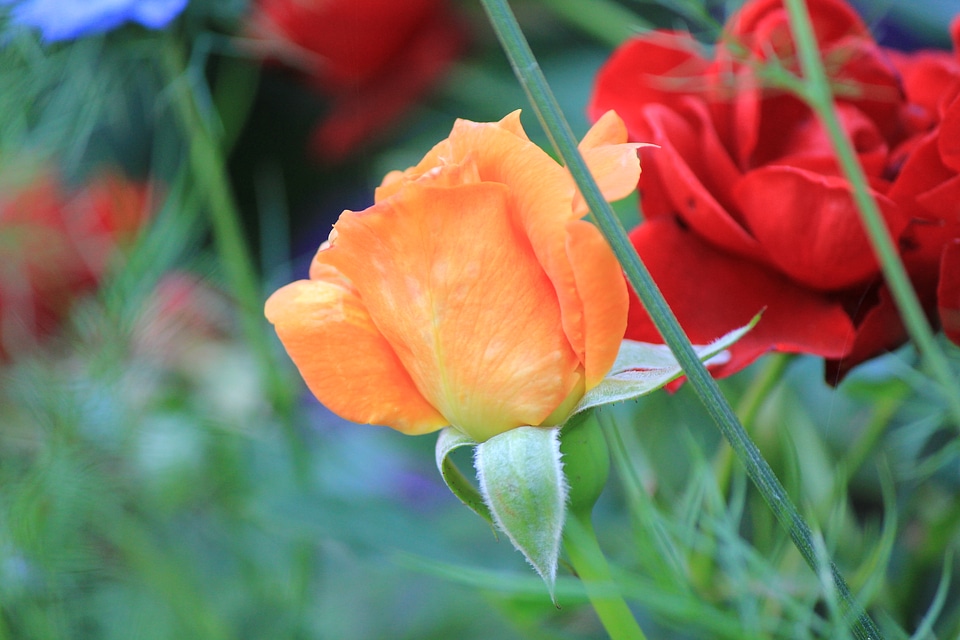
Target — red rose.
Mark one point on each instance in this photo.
(57, 245)
(745, 206)
(370, 58)
(928, 184)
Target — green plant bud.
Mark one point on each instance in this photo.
(586, 461)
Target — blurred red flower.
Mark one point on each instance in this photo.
(371, 58)
(184, 318)
(745, 206)
(57, 244)
(928, 184)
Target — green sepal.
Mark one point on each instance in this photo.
(449, 440)
(641, 368)
(521, 479)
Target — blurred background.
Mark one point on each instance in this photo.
(165, 474)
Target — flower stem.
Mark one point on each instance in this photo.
(858, 452)
(816, 92)
(665, 558)
(752, 400)
(580, 541)
(558, 130)
(750, 403)
(208, 169)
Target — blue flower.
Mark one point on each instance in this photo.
(68, 19)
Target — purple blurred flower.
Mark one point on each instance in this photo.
(68, 19)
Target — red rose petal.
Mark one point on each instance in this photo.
(659, 67)
(948, 291)
(712, 293)
(950, 134)
(921, 171)
(955, 35)
(654, 199)
(373, 106)
(746, 175)
(349, 42)
(879, 331)
(943, 200)
(864, 77)
(776, 119)
(805, 142)
(763, 25)
(683, 168)
(923, 75)
(809, 226)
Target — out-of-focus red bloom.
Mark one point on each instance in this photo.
(57, 244)
(370, 58)
(928, 184)
(745, 205)
(181, 318)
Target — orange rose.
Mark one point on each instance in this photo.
(470, 294)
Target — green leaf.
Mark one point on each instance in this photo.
(449, 440)
(521, 479)
(642, 367)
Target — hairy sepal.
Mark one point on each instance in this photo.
(522, 482)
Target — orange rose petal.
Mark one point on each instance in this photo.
(344, 359)
(543, 194)
(607, 130)
(542, 190)
(613, 163)
(504, 155)
(511, 122)
(616, 170)
(320, 270)
(445, 154)
(458, 293)
(546, 203)
(438, 156)
(391, 184)
(603, 292)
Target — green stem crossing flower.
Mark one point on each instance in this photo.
(814, 88)
(558, 130)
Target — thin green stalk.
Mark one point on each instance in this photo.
(817, 93)
(761, 386)
(233, 94)
(883, 410)
(665, 561)
(750, 402)
(558, 130)
(164, 572)
(208, 167)
(580, 542)
(607, 21)
(941, 534)
(748, 407)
